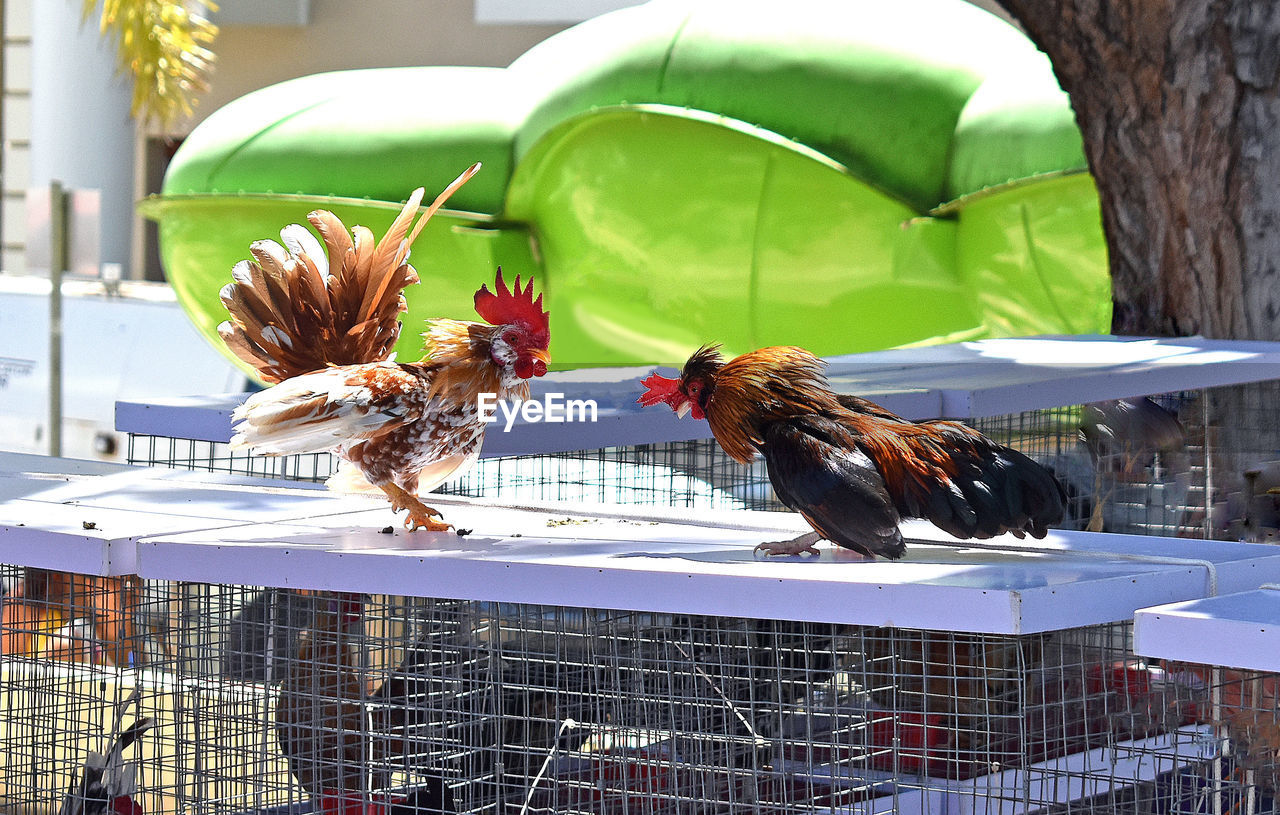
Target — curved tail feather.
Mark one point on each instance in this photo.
(961, 481)
(298, 308)
(992, 489)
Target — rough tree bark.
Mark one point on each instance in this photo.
(1178, 104)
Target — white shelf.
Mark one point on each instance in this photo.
(1001, 376)
(612, 557)
(1240, 630)
(963, 380)
(87, 517)
(1074, 778)
(225, 529)
(618, 422)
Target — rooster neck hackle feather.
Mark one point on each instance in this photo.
(761, 387)
(771, 384)
(459, 364)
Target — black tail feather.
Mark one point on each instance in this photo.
(997, 490)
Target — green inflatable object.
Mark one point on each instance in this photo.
(844, 176)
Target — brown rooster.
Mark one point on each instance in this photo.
(335, 728)
(324, 330)
(850, 467)
(321, 723)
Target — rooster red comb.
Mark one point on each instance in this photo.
(661, 389)
(504, 307)
(125, 805)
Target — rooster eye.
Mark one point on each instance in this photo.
(509, 337)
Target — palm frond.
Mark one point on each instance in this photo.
(164, 46)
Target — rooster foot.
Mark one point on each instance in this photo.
(802, 545)
(426, 520)
(420, 516)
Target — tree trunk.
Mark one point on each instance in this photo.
(1177, 101)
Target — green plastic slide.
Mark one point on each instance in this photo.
(840, 175)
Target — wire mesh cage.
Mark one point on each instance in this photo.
(68, 643)
(280, 700)
(679, 474)
(269, 700)
(1241, 774)
(1200, 640)
(1195, 464)
(1134, 466)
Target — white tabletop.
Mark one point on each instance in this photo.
(86, 517)
(112, 520)
(619, 558)
(1001, 376)
(1240, 630)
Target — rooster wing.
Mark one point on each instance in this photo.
(817, 469)
(331, 408)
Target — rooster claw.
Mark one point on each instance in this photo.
(420, 516)
(417, 521)
(802, 545)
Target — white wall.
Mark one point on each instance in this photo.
(16, 108)
(81, 130)
(366, 34)
(113, 348)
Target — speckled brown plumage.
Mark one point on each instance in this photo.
(324, 329)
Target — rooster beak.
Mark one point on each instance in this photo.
(684, 409)
(540, 354)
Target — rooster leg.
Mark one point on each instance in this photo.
(420, 515)
(803, 545)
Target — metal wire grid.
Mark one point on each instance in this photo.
(681, 474)
(218, 457)
(66, 642)
(1124, 481)
(274, 701)
(1135, 481)
(1242, 712)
